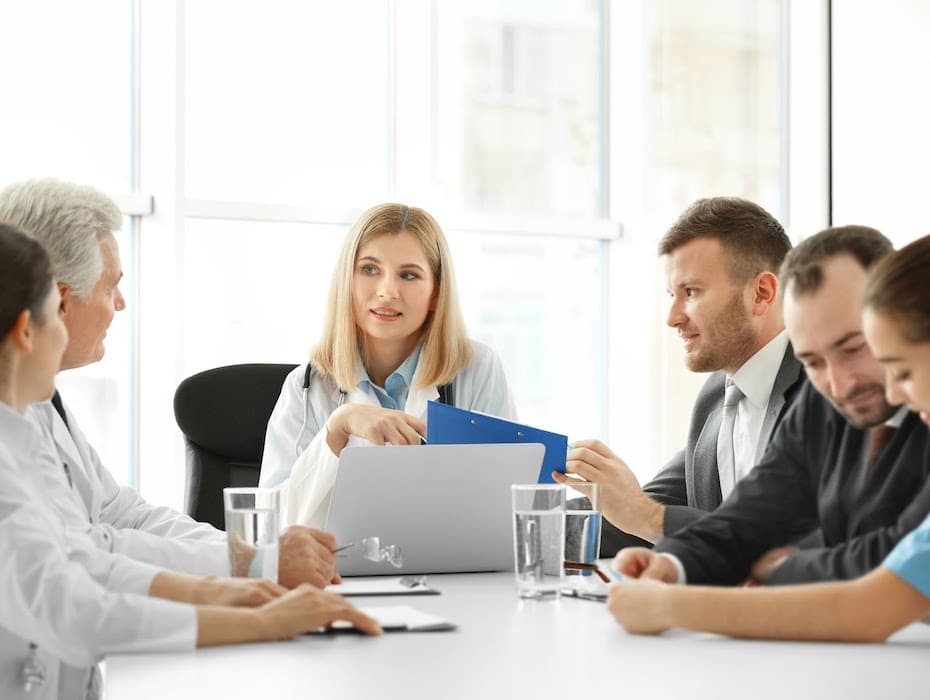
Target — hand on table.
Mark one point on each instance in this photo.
(623, 502)
(641, 607)
(307, 608)
(380, 426)
(238, 592)
(642, 563)
(305, 555)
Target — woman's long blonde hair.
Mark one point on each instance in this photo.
(445, 347)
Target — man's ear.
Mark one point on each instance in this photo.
(765, 291)
(21, 332)
(67, 297)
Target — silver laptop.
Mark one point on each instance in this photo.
(448, 507)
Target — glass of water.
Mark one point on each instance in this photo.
(582, 535)
(253, 523)
(538, 539)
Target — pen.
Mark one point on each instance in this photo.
(580, 565)
(345, 546)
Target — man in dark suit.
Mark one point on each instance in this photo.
(843, 460)
(721, 257)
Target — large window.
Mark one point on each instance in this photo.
(68, 113)
(276, 140)
(554, 141)
(286, 102)
(700, 111)
(519, 119)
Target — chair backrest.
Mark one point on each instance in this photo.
(223, 414)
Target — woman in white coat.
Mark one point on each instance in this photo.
(393, 336)
(64, 602)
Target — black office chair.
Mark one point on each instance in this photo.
(223, 414)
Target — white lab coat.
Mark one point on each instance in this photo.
(308, 480)
(117, 518)
(59, 591)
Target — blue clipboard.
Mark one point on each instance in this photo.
(448, 425)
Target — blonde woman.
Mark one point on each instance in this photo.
(393, 339)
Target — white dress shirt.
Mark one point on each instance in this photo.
(755, 379)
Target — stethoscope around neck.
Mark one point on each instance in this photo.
(308, 377)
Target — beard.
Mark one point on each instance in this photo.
(728, 339)
(865, 417)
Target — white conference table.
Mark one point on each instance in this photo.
(508, 648)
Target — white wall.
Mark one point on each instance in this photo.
(881, 116)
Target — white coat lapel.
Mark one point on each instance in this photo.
(417, 398)
(54, 426)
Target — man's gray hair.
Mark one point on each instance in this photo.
(69, 221)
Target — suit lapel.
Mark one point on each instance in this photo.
(707, 478)
(785, 386)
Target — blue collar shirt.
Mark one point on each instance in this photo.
(397, 387)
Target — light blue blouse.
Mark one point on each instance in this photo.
(397, 387)
(910, 559)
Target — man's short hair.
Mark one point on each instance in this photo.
(69, 221)
(753, 239)
(802, 270)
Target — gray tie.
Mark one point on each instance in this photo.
(726, 458)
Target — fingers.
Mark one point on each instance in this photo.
(326, 608)
(393, 430)
(360, 620)
(274, 589)
(588, 463)
(416, 423)
(595, 446)
(406, 434)
(255, 597)
(633, 561)
(384, 426)
(327, 539)
(306, 556)
(661, 569)
(585, 471)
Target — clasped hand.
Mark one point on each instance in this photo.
(380, 426)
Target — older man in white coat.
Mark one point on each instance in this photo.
(76, 224)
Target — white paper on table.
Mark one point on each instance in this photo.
(401, 618)
(379, 585)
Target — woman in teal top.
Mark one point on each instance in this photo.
(897, 328)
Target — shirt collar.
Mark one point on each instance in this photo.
(757, 375)
(403, 373)
(898, 418)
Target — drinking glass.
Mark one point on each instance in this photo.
(582, 535)
(538, 539)
(253, 523)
